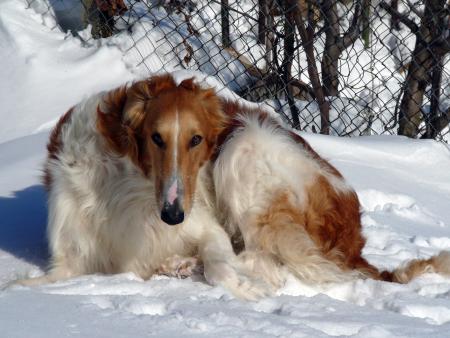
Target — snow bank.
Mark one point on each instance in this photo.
(44, 71)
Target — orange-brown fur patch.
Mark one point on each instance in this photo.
(332, 219)
(437, 264)
(54, 145)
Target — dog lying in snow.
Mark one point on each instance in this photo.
(294, 210)
(130, 186)
(139, 178)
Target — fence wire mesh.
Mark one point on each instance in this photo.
(347, 67)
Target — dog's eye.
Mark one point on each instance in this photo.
(156, 138)
(195, 141)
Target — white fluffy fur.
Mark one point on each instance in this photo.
(256, 162)
(103, 216)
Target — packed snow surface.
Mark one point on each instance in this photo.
(403, 186)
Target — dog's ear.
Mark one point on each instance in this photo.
(210, 102)
(133, 113)
(189, 84)
(140, 94)
(214, 116)
(118, 136)
(119, 117)
(122, 113)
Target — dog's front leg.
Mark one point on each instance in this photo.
(222, 267)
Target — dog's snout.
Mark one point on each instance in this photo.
(172, 214)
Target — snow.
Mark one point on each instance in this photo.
(403, 185)
(50, 67)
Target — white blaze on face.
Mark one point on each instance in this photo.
(172, 193)
(175, 148)
(174, 187)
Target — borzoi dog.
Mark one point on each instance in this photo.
(130, 186)
(293, 209)
(142, 177)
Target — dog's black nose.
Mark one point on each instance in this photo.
(172, 214)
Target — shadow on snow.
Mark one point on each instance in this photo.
(23, 219)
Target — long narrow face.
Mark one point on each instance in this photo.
(178, 143)
(168, 131)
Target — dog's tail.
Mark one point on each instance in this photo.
(438, 264)
(292, 246)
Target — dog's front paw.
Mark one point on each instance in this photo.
(32, 281)
(180, 267)
(237, 280)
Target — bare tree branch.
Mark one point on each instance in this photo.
(421, 67)
(442, 46)
(355, 28)
(412, 8)
(394, 20)
(334, 44)
(289, 41)
(401, 17)
(226, 42)
(439, 123)
(262, 15)
(332, 50)
(308, 44)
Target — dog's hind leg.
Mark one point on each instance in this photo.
(51, 277)
(264, 265)
(290, 243)
(222, 266)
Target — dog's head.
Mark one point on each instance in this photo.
(168, 131)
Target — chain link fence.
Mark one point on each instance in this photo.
(346, 67)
